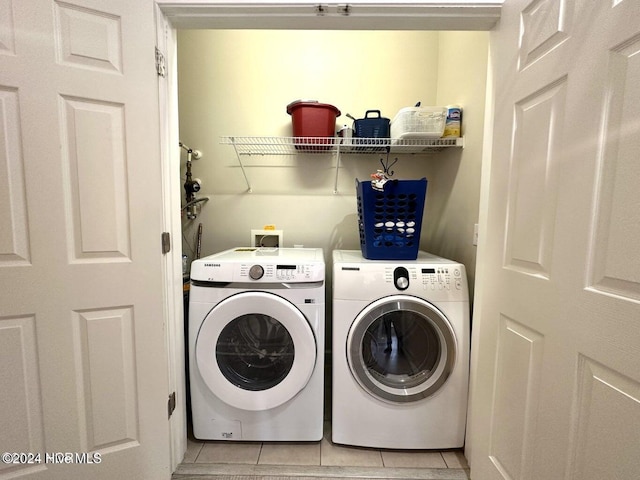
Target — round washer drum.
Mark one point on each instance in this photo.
(255, 361)
(401, 349)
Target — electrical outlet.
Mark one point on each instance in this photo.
(475, 234)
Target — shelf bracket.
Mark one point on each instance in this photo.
(337, 155)
(244, 173)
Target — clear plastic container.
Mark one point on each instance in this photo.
(419, 122)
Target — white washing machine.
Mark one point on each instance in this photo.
(400, 352)
(256, 344)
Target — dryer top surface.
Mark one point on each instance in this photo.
(355, 256)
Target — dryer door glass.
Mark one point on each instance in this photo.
(401, 349)
(255, 352)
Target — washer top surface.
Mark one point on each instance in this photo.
(265, 255)
(263, 265)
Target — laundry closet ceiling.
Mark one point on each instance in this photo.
(444, 15)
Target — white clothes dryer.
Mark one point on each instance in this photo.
(256, 344)
(400, 352)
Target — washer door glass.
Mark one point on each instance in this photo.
(401, 349)
(255, 350)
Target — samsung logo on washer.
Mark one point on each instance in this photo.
(212, 265)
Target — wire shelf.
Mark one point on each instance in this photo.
(315, 145)
(338, 146)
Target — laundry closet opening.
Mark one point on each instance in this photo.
(238, 83)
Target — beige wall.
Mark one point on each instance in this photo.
(455, 175)
(238, 83)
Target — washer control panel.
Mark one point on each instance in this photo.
(260, 265)
(277, 272)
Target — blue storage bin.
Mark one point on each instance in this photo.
(372, 126)
(390, 221)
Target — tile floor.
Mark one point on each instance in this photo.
(270, 460)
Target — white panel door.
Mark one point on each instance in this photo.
(556, 342)
(82, 342)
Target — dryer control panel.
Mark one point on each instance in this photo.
(431, 278)
(441, 277)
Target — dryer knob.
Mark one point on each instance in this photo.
(401, 278)
(256, 272)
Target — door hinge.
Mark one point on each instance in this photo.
(344, 10)
(171, 404)
(160, 65)
(166, 242)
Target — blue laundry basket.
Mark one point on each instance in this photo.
(390, 221)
